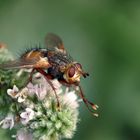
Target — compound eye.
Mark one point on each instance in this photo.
(78, 65)
(71, 71)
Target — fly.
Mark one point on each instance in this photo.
(58, 63)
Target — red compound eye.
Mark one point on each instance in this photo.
(71, 71)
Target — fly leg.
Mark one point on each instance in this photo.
(30, 77)
(87, 102)
(50, 83)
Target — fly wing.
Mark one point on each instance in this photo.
(19, 63)
(54, 43)
(55, 46)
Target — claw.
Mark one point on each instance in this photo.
(95, 114)
(95, 107)
(58, 107)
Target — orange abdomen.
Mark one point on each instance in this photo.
(34, 54)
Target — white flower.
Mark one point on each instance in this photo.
(38, 89)
(32, 89)
(22, 95)
(23, 135)
(39, 78)
(41, 92)
(43, 88)
(70, 98)
(8, 122)
(24, 121)
(13, 92)
(27, 116)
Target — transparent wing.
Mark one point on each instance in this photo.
(54, 42)
(55, 46)
(19, 63)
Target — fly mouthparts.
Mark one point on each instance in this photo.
(85, 74)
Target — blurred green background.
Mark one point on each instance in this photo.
(104, 36)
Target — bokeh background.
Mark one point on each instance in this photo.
(104, 36)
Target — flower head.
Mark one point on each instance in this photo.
(41, 115)
(56, 123)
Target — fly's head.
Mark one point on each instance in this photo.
(73, 73)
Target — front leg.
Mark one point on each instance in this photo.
(87, 102)
(48, 77)
(82, 96)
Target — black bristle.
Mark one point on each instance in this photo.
(35, 47)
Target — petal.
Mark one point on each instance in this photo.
(12, 124)
(24, 121)
(24, 115)
(5, 125)
(1, 122)
(56, 84)
(29, 110)
(20, 99)
(30, 85)
(10, 91)
(15, 88)
(41, 93)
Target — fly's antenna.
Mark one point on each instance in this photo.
(85, 74)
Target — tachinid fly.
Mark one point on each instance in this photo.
(58, 63)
